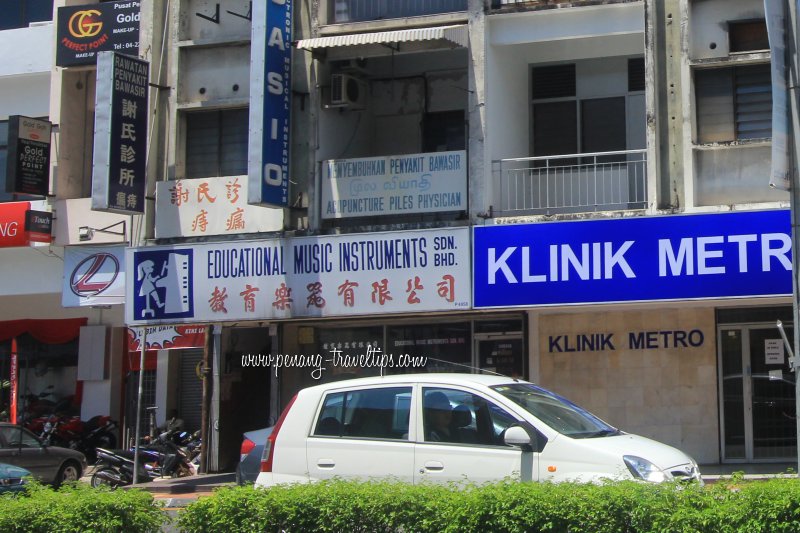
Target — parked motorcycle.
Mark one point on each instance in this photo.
(160, 458)
(85, 437)
(115, 469)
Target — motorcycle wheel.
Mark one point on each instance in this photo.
(98, 481)
(182, 471)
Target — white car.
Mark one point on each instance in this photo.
(455, 427)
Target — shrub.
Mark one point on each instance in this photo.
(78, 508)
(614, 507)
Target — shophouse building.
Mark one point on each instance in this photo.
(43, 344)
(572, 192)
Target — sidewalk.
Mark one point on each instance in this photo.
(180, 492)
(712, 473)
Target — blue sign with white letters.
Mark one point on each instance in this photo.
(726, 255)
(271, 101)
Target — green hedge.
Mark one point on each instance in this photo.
(79, 507)
(344, 506)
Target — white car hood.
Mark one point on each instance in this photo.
(662, 455)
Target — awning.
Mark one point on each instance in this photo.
(454, 34)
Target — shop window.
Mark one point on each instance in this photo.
(446, 346)
(748, 35)
(21, 13)
(733, 103)
(216, 143)
(46, 377)
(379, 413)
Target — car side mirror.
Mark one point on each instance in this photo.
(517, 436)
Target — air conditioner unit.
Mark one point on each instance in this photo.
(348, 91)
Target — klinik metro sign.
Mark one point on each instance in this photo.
(271, 102)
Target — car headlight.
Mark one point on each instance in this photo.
(644, 469)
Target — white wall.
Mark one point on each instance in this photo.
(26, 57)
(26, 51)
(707, 24)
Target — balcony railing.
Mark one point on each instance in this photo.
(576, 183)
(367, 10)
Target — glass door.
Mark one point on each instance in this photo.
(501, 353)
(757, 394)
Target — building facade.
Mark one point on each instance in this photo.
(572, 192)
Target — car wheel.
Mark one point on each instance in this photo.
(69, 471)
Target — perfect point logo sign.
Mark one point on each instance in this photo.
(85, 30)
(84, 24)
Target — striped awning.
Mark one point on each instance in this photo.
(454, 34)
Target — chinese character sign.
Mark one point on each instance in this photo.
(334, 275)
(120, 142)
(210, 206)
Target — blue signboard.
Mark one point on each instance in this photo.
(271, 98)
(162, 286)
(680, 257)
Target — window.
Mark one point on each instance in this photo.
(460, 417)
(748, 35)
(565, 123)
(16, 437)
(216, 143)
(636, 74)
(20, 13)
(3, 153)
(444, 131)
(733, 103)
(381, 413)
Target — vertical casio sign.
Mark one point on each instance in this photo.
(270, 112)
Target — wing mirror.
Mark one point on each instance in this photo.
(518, 437)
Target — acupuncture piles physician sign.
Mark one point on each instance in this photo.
(120, 134)
(271, 101)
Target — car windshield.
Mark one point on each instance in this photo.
(557, 412)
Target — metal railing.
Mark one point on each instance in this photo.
(367, 10)
(575, 183)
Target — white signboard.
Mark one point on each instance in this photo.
(394, 185)
(360, 274)
(93, 276)
(773, 351)
(210, 206)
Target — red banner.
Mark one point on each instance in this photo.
(12, 224)
(168, 337)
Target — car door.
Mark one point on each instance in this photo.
(466, 443)
(21, 448)
(363, 433)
